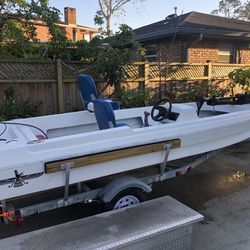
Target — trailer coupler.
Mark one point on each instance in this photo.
(12, 216)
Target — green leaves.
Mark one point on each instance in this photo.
(233, 9)
(13, 41)
(18, 33)
(132, 98)
(113, 53)
(110, 63)
(10, 110)
(99, 19)
(241, 77)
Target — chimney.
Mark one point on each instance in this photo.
(70, 15)
(175, 11)
(172, 15)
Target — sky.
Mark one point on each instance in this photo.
(138, 14)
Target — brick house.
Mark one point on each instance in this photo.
(197, 38)
(73, 31)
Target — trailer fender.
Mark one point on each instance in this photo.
(120, 184)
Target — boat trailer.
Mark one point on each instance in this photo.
(105, 194)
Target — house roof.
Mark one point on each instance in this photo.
(194, 22)
(39, 21)
(85, 28)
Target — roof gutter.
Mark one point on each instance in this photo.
(189, 31)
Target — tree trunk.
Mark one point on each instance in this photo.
(117, 90)
(108, 25)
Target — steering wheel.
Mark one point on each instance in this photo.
(163, 112)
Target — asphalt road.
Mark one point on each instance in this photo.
(211, 180)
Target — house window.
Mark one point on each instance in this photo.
(151, 54)
(226, 53)
(87, 37)
(184, 53)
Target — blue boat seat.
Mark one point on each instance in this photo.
(104, 114)
(88, 91)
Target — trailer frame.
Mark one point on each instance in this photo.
(104, 194)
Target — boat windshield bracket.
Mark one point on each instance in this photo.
(163, 165)
(66, 167)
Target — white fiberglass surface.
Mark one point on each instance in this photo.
(77, 123)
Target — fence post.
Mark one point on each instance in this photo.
(210, 68)
(60, 87)
(146, 73)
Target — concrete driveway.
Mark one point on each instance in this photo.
(211, 189)
(222, 194)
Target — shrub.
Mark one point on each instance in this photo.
(9, 109)
(241, 77)
(134, 98)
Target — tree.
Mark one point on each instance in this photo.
(109, 55)
(233, 9)
(109, 8)
(241, 77)
(14, 37)
(98, 19)
(245, 11)
(18, 34)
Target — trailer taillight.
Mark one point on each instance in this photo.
(13, 216)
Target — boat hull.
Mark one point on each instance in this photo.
(36, 167)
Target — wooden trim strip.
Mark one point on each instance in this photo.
(52, 167)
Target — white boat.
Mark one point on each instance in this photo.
(34, 152)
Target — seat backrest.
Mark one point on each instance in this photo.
(104, 114)
(87, 88)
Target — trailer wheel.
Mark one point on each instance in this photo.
(126, 198)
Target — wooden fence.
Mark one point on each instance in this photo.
(53, 83)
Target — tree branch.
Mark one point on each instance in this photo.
(110, 7)
(119, 4)
(102, 9)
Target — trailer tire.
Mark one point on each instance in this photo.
(126, 198)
